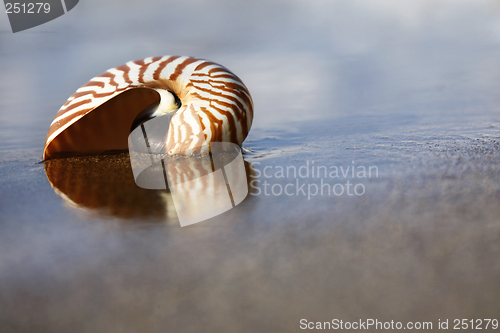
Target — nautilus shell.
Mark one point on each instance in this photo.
(215, 106)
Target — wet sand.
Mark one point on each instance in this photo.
(421, 244)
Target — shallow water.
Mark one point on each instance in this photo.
(408, 89)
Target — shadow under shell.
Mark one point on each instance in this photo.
(105, 184)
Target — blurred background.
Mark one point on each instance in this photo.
(409, 86)
(319, 59)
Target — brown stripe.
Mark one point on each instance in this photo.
(189, 132)
(228, 75)
(232, 124)
(157, 73)
(240, 115)
(72, 106)
(198, 96)
(203, 65)
(231, 88)
(94, 93)
(111, 77)
(203, 128)
(233, 77)
(233, 99)
(176, 139)
(188, 129)
(211, 81)
(139, 62)
(180, 67)
(218, 69)
(125, 69)
(242, 94)
(142, 69)
(218, 131)
(60, 123)
(141, 73)
(66, 103)
(222, 76)
(215, 127)
(94, 84)
(230, 97)
(210, 124)
(146, 67)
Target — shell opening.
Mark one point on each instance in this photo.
(168, 104)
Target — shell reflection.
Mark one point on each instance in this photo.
(104, 185)
(202, 186)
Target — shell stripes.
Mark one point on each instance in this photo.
(216, 105)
